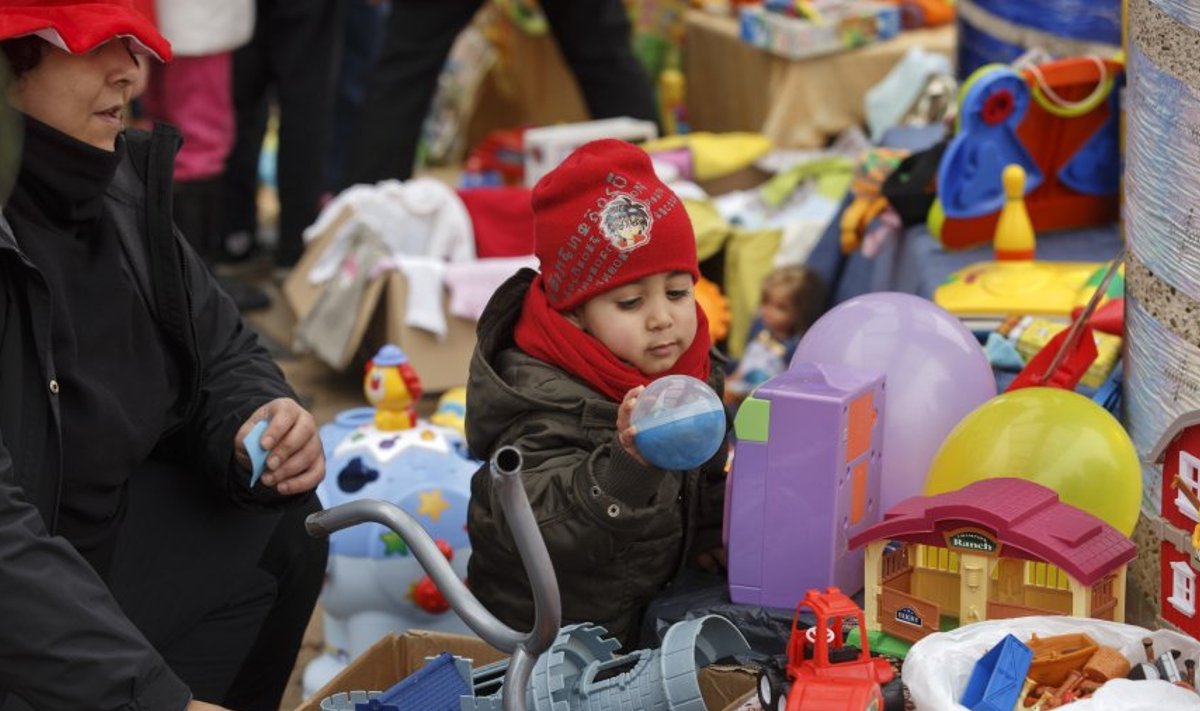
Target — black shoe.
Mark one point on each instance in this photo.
(246, 296)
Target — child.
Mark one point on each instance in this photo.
(792, 299)
(561, 358)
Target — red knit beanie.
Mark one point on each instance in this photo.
(79, 26)
(603, 219)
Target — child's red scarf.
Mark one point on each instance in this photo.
(547, 335)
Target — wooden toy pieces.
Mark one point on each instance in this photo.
(1014, 239)
(1051, 672)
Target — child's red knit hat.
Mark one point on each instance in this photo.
(603, 219)
(79, 26)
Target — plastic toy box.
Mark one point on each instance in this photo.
(806, 478)
(851, 25)
(547, 146)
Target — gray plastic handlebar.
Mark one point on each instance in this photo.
(525, 647)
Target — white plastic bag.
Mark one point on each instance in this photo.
(937, 668)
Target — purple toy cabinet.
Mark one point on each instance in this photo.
(805, 478)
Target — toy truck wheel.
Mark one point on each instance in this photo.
(893, 695)
(771, 694)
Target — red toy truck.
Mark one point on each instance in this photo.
(825, 672)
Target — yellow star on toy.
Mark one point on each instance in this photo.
(432, 504)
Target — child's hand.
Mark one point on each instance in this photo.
(296, 462)
(625, 430)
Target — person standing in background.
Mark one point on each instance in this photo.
(361, 41)
(292, 58)
(194, 93)
(594, 36)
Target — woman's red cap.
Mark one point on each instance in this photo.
(79, 27)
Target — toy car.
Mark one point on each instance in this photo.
(826, 673)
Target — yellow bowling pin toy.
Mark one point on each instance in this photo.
(1014, 238)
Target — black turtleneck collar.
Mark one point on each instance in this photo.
(65, 176)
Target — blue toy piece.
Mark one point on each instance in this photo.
(437, 686)
(1108, 395)
(996, 680)
(1095, 169)
(992, 106)
(679, 423)
(254, 448)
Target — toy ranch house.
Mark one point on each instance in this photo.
(1178, 449)
(997, 548)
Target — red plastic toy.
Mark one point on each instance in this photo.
(1053, 135)
(824, 671)
(1178, 451)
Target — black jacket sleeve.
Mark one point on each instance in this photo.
(64, 642)
(237, 376)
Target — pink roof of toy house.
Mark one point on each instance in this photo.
(1027, 518)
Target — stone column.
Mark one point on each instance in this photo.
(1162, 197)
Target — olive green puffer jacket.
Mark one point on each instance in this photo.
(617, 531)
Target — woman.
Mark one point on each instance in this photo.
(128, 576)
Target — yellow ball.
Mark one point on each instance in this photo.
(1054, 437)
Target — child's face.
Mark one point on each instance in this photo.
(648, 323)
(778, 314)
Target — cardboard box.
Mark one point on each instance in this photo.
(394, 657)
(441, 363)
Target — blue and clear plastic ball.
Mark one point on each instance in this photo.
(679, 422)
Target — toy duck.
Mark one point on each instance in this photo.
(392, 386)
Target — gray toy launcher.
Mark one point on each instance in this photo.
(525, 647)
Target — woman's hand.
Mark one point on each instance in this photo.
(201, 706)
(295, 458)
(625, 430)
